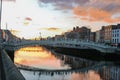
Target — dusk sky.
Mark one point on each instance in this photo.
(51, 17)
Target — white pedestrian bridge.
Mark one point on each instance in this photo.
(61, 43)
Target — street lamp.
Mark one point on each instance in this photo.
(0, 20)
(40, 35)
(0, 12)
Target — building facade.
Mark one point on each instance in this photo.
(108, 34)
(102, 34)
(116, 34)
(83, 33)
(97, 36)
(92, 36)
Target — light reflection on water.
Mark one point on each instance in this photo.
(90, 75)
(44, 59)
(38, 57)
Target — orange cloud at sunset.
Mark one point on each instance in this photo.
(93, 14)
(110, 20)
(53, 29)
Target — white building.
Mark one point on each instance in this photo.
(116, 34)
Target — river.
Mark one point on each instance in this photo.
(62, 67)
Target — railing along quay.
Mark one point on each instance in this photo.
(8, 70)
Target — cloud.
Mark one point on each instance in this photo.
(111, 5)
(8, 0)
(90, 10)
(94, 14)
(63, 4)
(28, 18)
(53, 29)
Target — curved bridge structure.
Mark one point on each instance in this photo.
(61, 43)
(8, 70)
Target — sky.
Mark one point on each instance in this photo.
(35, 18)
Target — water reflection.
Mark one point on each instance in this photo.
(101, 73)
(79, 68)
(38, 57)
(90, 75)
(74, 62)
(42, 58)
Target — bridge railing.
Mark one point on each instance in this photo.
(85, 44)
(10, 71)
(74, 41)
(63, 43)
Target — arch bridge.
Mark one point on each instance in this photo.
(61, 43)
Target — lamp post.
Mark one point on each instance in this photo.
(2, 72)
(0, 12)
(40, 35)
(0, 21)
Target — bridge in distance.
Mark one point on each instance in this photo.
(62, 43)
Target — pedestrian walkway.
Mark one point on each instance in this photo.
(8, 71)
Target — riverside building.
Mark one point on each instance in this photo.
(116, 34)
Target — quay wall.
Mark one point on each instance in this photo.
(87, 53)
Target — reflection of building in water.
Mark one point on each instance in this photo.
(104, 73)
(82, 63)
(84, 69)
(74, 62)
(115, 73)
(110, 73)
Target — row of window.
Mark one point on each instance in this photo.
(114, 31)
(115, 35)
(115, 40)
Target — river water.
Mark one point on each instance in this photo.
(62, 67)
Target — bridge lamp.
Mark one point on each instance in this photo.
(40, 35)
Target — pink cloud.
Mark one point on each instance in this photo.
(53, 29)
(28, 18)
(94, 14)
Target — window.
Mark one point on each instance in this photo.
(117, 41)
(113, 40)
(117, 35)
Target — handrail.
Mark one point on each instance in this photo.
(8, 68)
